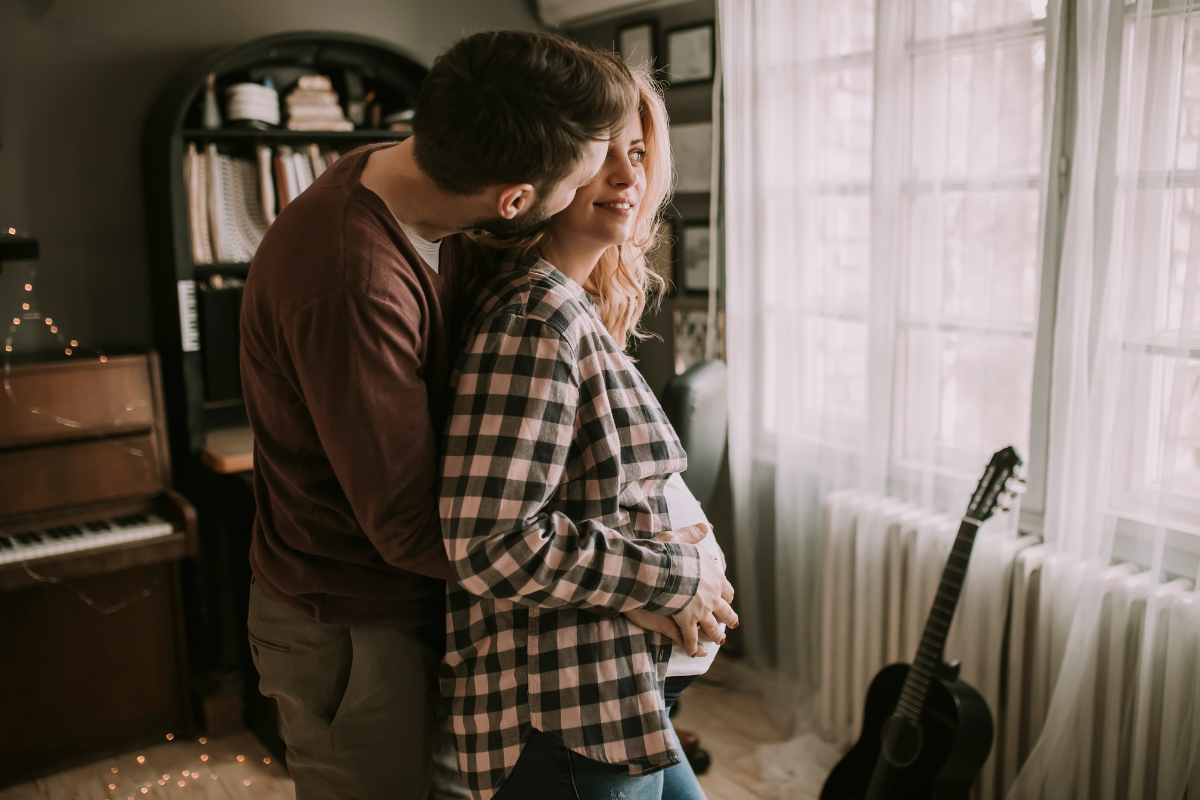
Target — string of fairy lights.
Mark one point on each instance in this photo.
(134, 780)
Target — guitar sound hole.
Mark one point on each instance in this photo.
(901, 741)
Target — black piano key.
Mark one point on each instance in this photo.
(98, 526)
(74, 530)
(6, 543)
(28, 538)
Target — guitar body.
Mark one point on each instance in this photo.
(953, 744)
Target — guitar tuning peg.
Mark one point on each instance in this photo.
(1015, 486)
(1004, 509)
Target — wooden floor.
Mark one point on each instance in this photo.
(732, 722)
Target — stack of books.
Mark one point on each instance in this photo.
(313, 106)
(232, 201)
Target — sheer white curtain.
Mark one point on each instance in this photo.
(1124, 433)
(886, 183)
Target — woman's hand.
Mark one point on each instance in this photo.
(650, 621)
(710, 606)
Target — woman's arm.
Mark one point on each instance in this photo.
(513, 428)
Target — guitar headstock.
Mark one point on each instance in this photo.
(1000, 482)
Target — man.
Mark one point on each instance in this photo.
(349, 326)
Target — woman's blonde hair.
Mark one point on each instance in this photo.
(622, 284)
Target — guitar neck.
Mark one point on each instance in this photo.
(933, 641)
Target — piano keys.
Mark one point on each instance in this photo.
(77, 538)
(91, 540)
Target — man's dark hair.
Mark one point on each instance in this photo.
(509, 107)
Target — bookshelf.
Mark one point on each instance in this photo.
(209, 436)
(174, 121)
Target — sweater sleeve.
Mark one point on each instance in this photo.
(513, 428)
(361, 363)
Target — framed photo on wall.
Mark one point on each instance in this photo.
(636, 42)
(691, 54)
(692, 147)
(691, 334)
(691, 263)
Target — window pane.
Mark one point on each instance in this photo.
(934, 19)
(977, 114)
(964, 393)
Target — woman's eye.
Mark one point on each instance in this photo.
(638, 155)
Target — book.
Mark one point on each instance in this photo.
(195, 178)
(266, 182)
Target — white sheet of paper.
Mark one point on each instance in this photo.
(684, 511)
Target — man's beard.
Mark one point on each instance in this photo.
(525, 225)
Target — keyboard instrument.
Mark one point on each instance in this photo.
(91, 542)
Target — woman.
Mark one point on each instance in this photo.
(556, 458)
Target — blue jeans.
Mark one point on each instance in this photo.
(547, 770)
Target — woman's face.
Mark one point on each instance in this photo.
(605, 209)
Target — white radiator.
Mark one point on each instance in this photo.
(882, 562)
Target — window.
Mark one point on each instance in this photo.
(1157, 172)
(912, 267)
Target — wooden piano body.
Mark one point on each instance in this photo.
(91, 538)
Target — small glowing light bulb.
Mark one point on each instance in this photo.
(144, 790)
(141, 759)
(266, 761)
(54, 329)
(8, 348)
(203, 740)
(204, 756)
(170, 736)
(214, 776)
(16, 321)
(76, 344)
(103, 359)
(49, 321)
(112, 786)
(166, 777)
(183, 783)
(246, 782)
(29, 287)
(25, 306)
(241, 758)
(161, 782)
(68, 352)
(12, 231)
(114, 769)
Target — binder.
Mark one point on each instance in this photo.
(219, 311)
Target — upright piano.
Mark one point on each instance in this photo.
(91, 538)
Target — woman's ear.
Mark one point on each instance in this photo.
(513, 199)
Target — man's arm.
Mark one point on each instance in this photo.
(357, 358)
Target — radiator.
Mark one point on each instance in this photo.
(883, 559)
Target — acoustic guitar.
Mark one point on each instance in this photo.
(926, 734)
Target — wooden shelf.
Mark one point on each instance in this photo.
(241, 135)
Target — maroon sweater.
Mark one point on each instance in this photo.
(348, 339)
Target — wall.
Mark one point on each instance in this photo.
(76, 80)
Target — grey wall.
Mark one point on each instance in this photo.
(76, 80)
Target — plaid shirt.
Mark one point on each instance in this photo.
(556, 456)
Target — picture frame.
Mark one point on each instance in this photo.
(691, 147)
(690, 334)
(691, 261)
(691, 54)
(637, 42)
